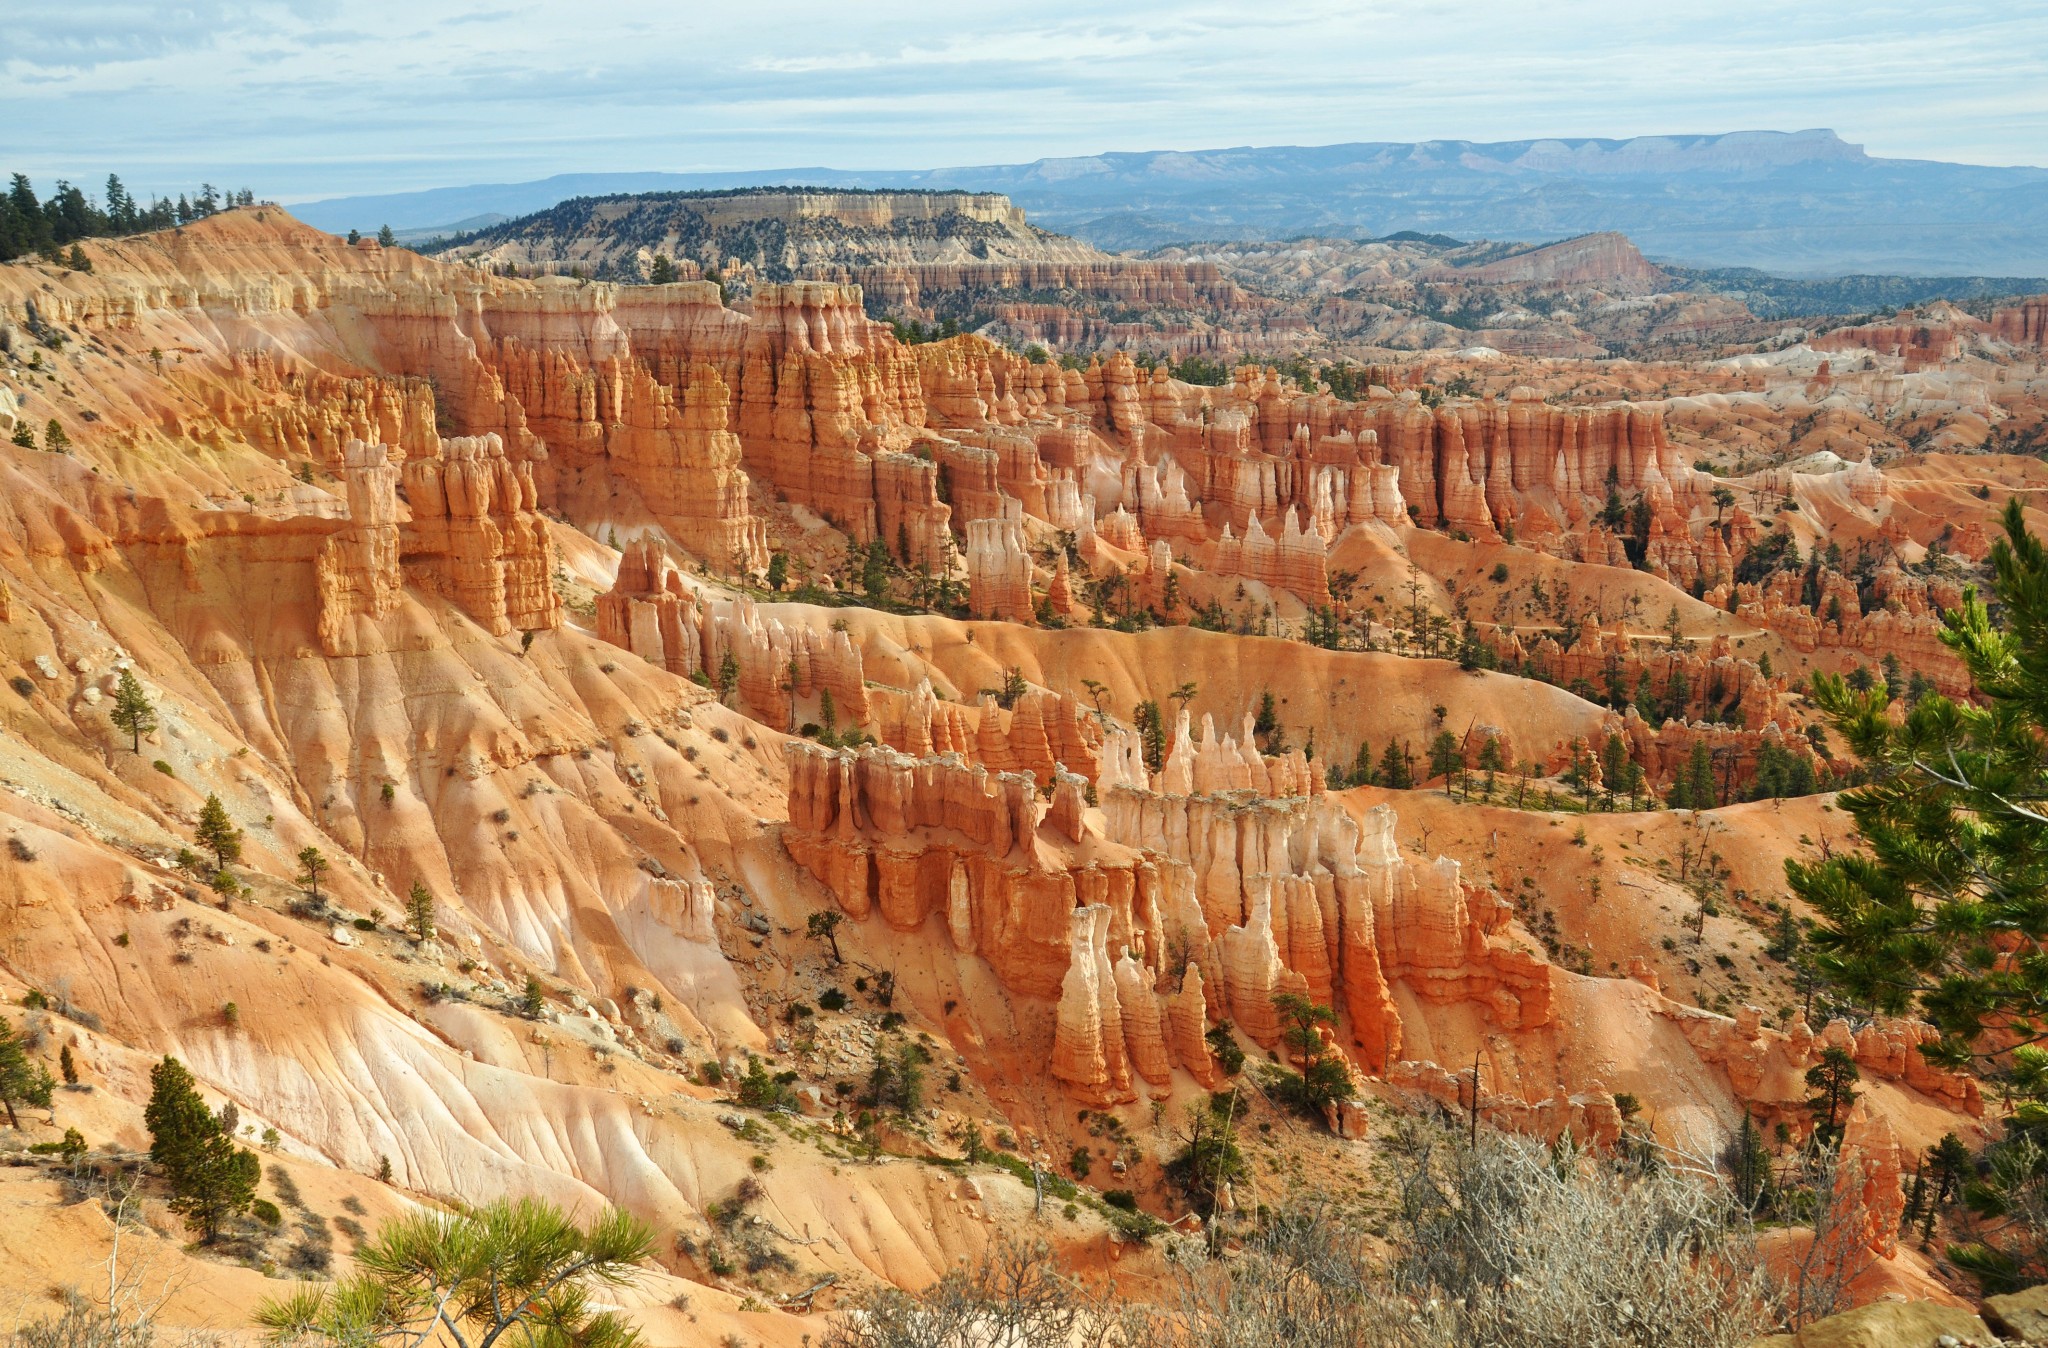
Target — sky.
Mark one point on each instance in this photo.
(301, 99)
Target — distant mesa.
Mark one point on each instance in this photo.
(1803, 203)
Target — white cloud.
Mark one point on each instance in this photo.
(313, 97)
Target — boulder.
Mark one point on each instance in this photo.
(2020, 1315)
(1889, 1324)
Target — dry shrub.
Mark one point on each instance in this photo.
(1511, 1245)
(1014, 1296)
(1504, 1245)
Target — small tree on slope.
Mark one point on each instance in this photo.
(217, 833)
(211, 1179)
(132, 710)
(23, 1080)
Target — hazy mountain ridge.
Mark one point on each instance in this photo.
(1805, 203)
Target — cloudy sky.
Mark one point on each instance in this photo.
(312, 98)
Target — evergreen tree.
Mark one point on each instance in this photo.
(1267, 719)
(1490, 761)
(512, 1271)
(1646, 700)
(663, 271)
(778, 571)
(1677, 693)
(1444, 757)
(1324, 1077)
(121, 212)
(728, 674)
(211, 1179)
(218, 834)
(1363, 773)
(23, 227)
(23, 1080)
(1699, 779)
(312, 865)
(874, 572)
(1394, 773)
(1210, 1160)
(132, 710)
(67, 1066)
(1833, 1080)
(71, 215)
(419, 912)
(1749, 1166)
(1614, 766)
(386, 238)
(1952, 1162)
(825, 927)
(1781, 773)
(1151, 728)
(1946, 913)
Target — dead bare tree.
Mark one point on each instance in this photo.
(136, 1291)
(1305, 1280)
(1832, 1206)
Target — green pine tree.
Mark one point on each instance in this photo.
(511, 1271)
(1443, 757)
(211, 1179)
(728, 675)
(312, 865)
(1833, 1083)
(1749, 1166)
(132, 710)
(1395, 774)
(1946, 913)
(23, 1080)
(1363, 771)
(217, 833)
(419, 912)
(1324, 1077)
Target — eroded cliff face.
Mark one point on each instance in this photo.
(461, 579)
(1195, 896)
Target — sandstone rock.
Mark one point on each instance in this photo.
(1088, 1050)
(2020, 1315)
(999, 567)
(1887, 1324)
(476, 538)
